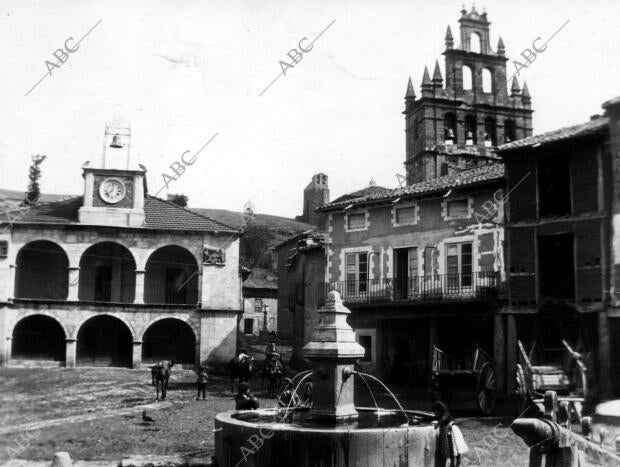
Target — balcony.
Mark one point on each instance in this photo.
(434, 287)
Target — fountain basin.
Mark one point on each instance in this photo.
(256, 438)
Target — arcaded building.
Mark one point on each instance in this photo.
(117, 277)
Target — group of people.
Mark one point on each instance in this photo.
(244, 399)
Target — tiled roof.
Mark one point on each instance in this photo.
(369, 190)
(159, 214)
(570, 132)
(165, 215)
(470, 177)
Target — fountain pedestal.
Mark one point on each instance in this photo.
(333, 352)
(330, 434)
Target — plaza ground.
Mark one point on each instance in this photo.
(88, 412)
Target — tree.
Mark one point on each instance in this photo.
(33, 179)
(179, 200)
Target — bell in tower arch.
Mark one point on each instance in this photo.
(116, 142)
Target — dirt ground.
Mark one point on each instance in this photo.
(184, 426)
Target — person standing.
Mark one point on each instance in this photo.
(201, 382)
(450, 442)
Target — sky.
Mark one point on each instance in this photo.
(184, 72)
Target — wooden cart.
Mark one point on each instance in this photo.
(561, 370)
(448, 374)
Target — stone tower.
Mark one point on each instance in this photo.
(315, 194)
(114, 188)
(457, 124)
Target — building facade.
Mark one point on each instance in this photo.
(419, 266)
(301, 269)
(563, 244)
(117, 277)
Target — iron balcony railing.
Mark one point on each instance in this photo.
(477, 285)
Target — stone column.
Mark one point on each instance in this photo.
(74, 284)
(511, 353)
(136, 359)
(7, 350)
(12, 284)
(70, 353)
(139, 298)
(499, 351)
(604, 356)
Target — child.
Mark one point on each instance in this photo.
(245, 400)
(201, 382)
(450, 441)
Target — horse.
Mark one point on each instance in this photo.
(160, 374)
(241, 370)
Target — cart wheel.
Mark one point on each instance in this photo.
(487, 388)
(522, 392)
(580, 382)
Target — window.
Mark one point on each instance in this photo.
(248, 326)
(487, 81)
(467, 78)
(459, 265)
(357, 273)
(258, 305)
(458, 208)
(554, 186)
(356, 221)
(366, 342)
(406, 215)
(4, 249)
(471, 130)
(474, 43)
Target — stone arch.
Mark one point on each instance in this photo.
(107, 273)
(168, 337)
(42, 271)
(510, 133)
(490, 132)
(38, 336)
(449, 126)
(104, 340)
(171, 276)
(129, 325)
(471, 130)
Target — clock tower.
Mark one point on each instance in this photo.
(114, 189)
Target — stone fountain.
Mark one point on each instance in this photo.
(333, 432)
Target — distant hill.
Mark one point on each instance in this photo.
(261, 235)
(10, 199)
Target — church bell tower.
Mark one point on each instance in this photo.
(457, 124)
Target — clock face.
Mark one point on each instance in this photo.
(112, 190)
